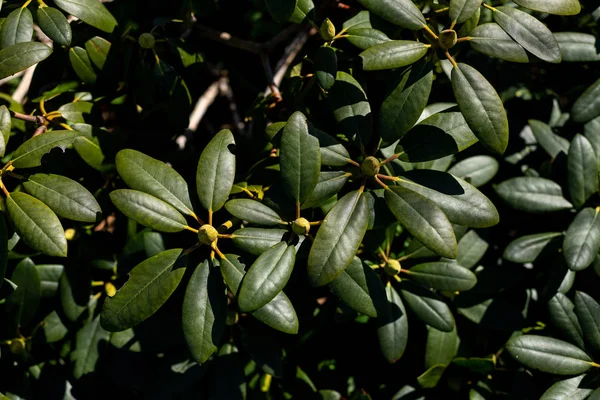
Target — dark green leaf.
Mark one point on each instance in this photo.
(462, 10)
(588, 313)
(430, 378)
(363, 38)
(55, 25)
(74, 111)
(400, 12)
(92, 12)
(578, 47)
(357, 286)
(490, 39)
(53, 328)
(527, 248)
(587, 106)
(471, 249)
(531, 194)
(333, 153)
(253, 211)
(469, 25)
(30, 153)
(82, 65)
(18, 28)
(49, 277)
(392, 325)
(281, 10)
(25, 301)
(3, 247)
(553, 144)
(568, 389)
(330, 183)
(582, 170)
(441, 347)
(303, 12)
(558, 7)
(393, 54)
(97, 49)
(21, 56)
(149, 286)
(447, 276)
(257, 240)
(428, 307)
(560, 310)
(477, 170)
(582, 240)
(216, 171)
(326, 66)
(350, 107)
(90, 151)
(90, 340)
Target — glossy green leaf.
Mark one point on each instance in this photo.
(333, 153)
(558, 7)
(587, 106)
(363, 38)
(441, 346)
(150, 285)
(490, 39)
(281, 10)
(330, 183)
(392, 325)
(462, 203)
(66, 197)
(37, 224)
(148, 210)
(587, 310)
(82, 65)
(74, 111)
(582, 240)
(92, 12)
(532, 194)
(553, 144)
(350, 107)
(399, 12)
(527, 248)
(471, 249)
(423, 219)
(146, 174)
(49, 278)
(469, 25)
(447, 276)
(216, 171)
(90, 340)
(430, 378)
(97, 49)
(258, 240)
(25, 300)
(529, 32)
(279, 313)
(548, 355)
(55, 25)
(577, 46)
(326, 66)
(338, 238)
(90, 151)
(582, 170)
(53, 328)
(568, 389)
(357, 286)
(462, 10)
(300, 159)
(392, 54)
(204, 311)
(253, 211)
(303, 12)
(266, 277)
(404, 104)
(477, 170)
(30, 153)
(562, 316)
(18, 28)
(481, 107)
(5, 127)
(427, 306)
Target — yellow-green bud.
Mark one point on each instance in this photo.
(17, 346)
(447, 39)
(392, 267)
(327, 30)
(147, 41)
(301, 226)
(370, 166)
(207, 234)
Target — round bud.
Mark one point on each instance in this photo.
(16, 346)
(447, 39)
(370, 166)
(327, 30)
(207, 234)
(392, 267)
(147, 41)
(301, 226)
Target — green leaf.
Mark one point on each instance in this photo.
(350, 107)
(279, 313)
(90, 340)
(462, 203)
(82, 65)
(588, 313)
(338, 239)
(392, 325)
(330, 183)
(30, 153)
(303, 13)
(582, 240)
(363, 38)
(266, 277)
(74, 111)
(428, 307)
(577, 46)
(18, 28)
(447, 276)
(258, 240)
(148, 175)
(587, 106)
(97, 49)
(281, 10)
(477, 170)
(568, 389)
(300, 159)
(527, 248)
(64, 196)
(404, 104)
(150, 285)
(53, 328)
(441, 347)
(471, 249)
(430, 378)
(49, 277)
(532, 194)
(25, 300)
(462, 10)
(469, 25)
(326, 66)
(560, 310)
(529, 32)
(89, 150)
(148, 210)
(591, 131)
(216, 171)
(548, 355)
(393, 54)
(558, 7)
(553, 144)
(37, 224)
(253, 211)
(582, 170)
(55, 25)
(481, 107)
(3, 247)
(399, 12)
(357, 286)
(490, 39)
(5, 126)
(333, 153)
(21, 56)
(423, 219)
(204, 311)
(92, 12)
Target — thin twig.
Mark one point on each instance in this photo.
(207, 98)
